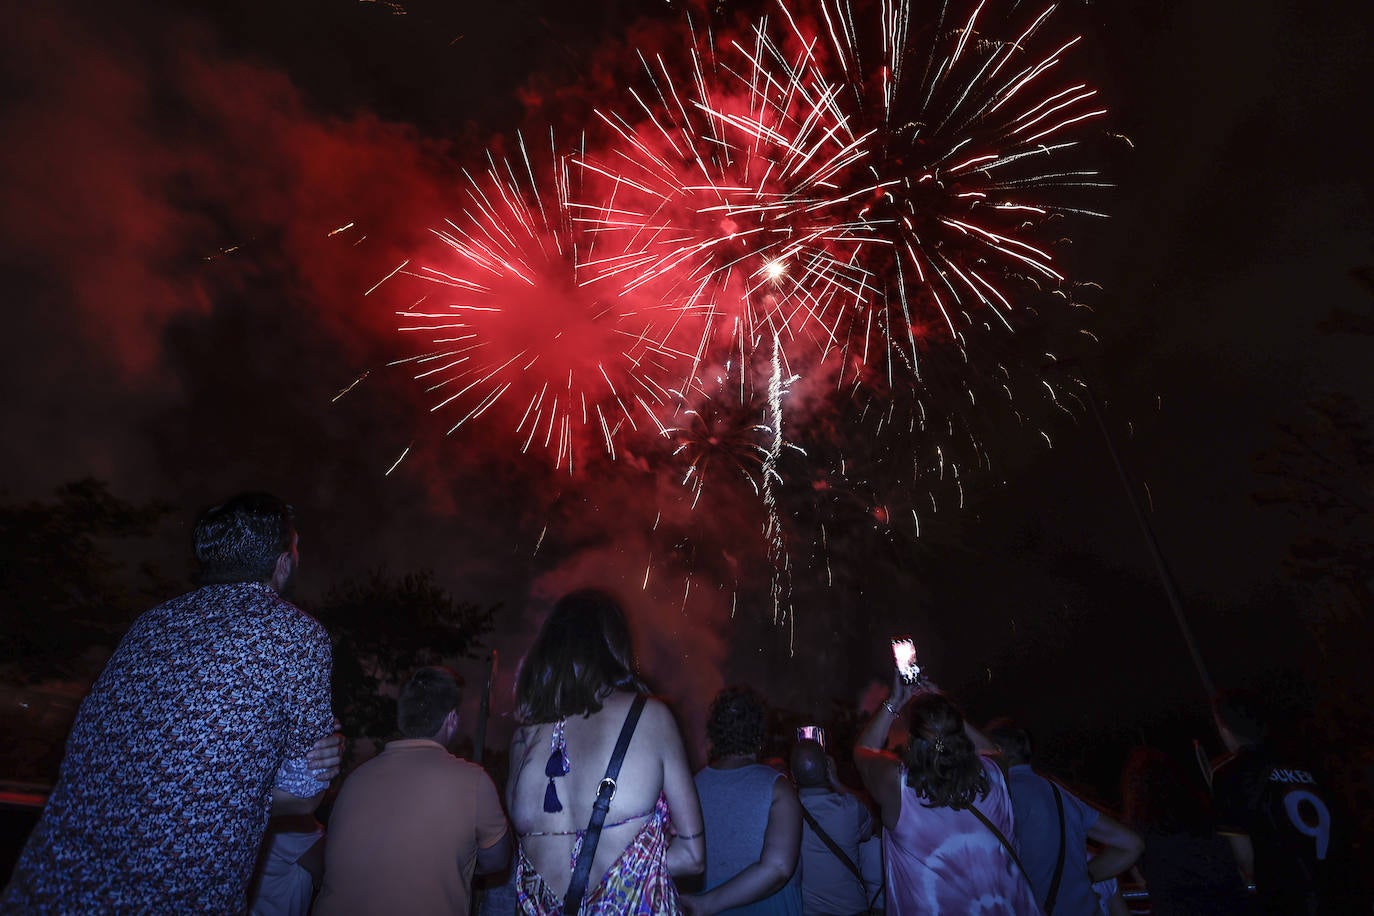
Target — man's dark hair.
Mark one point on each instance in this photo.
(810, 768)
(734, 724)
(1014, 740)
(426, 700)
(581, 655)
(241, 539)
(942, 764)
(1242, 712)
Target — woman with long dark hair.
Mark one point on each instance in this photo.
(574, 693)
(947, 817)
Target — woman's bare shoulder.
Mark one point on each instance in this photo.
(659, 720)
(656, 719)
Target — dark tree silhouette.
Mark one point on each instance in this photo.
(1321, 470)
(385, 626)
(62, 590)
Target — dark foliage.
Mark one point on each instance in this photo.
(384, 627)
(63, 592)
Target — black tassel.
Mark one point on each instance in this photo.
(551, 803)
(557, 766)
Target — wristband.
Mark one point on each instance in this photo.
(887, 704)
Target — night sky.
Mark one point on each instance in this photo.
(179, 319)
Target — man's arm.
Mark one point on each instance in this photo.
(493, 832)
(776, 863)
(1121, 847)
(313, 745)
(321, 762)
(1244, 851)
(325, 756)
(495, 857)
(1232, 794)
(284, 804)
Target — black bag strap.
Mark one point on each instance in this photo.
(835, 848)
(1059, 863)
(582, 868)
(1011, 851)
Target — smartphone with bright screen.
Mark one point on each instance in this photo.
(904, 655)
(811, 733)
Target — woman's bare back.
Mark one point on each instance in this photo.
(548, 838)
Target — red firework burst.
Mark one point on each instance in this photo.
(517, 330)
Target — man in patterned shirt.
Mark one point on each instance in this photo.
(205, 719)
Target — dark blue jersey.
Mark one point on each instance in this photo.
(1289, 818)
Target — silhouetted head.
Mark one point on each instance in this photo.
(581, 655)
(1240, 719)
(1013, 740)
(428, 704)
(942, 764)
(734, 725)
(810, 765)
(249, 538)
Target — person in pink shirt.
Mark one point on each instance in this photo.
(947, 817)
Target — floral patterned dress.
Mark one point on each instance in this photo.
(636, 884)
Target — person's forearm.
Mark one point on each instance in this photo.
(286, 804)
(874, 735)
(495, 857)
(685, 856)
(1244, 850)
(754, 883)
(1112, 861)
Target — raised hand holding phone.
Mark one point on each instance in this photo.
(904, 655)
(907, 678)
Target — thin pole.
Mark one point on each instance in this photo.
(479, 747)
(1165, 577)
(479, 739)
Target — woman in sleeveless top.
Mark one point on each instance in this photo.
(941, 857)
(753, 818)
(573, 693)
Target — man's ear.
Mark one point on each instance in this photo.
(451, 720)
(283, 568)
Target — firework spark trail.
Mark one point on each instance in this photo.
(520, 326)
(775, 536)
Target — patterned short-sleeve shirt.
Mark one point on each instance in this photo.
(166, 785)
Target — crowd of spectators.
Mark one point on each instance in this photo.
(196, 765)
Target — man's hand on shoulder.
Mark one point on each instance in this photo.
(326, 756)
